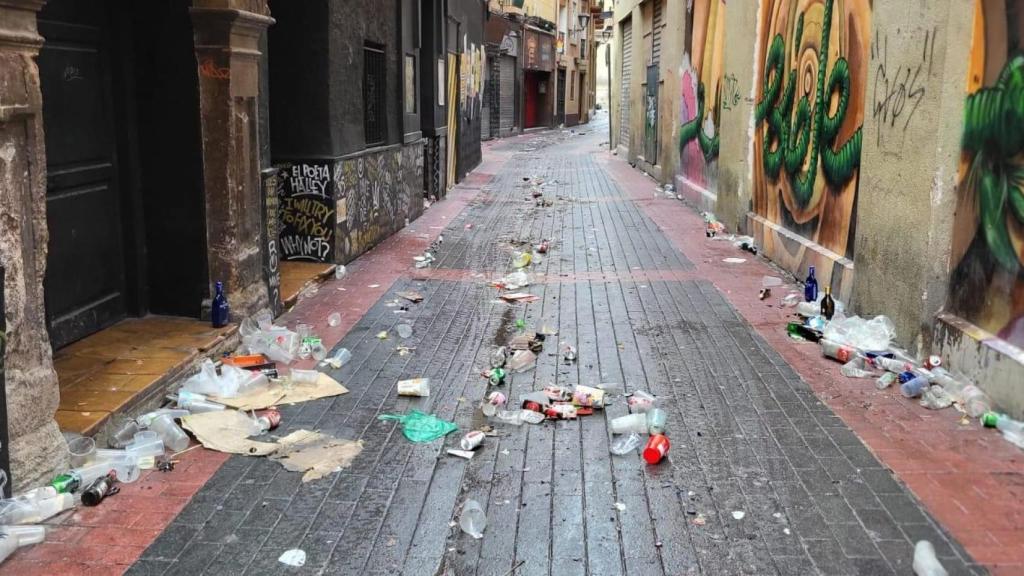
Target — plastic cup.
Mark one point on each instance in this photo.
(334, 319)
(304, 376)
(631, 423)
(657, 447)
(656, 421)
(82, 451)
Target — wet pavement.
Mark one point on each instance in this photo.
(762, 477)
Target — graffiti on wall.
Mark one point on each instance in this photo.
(809, 115)
(376, 194)
(701, 101)
(987, 285)
(305, 211)
(472, 69)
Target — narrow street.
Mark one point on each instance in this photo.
(762, 476)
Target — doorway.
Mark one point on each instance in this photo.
(560, 109)
(538, 106)
(124, 194)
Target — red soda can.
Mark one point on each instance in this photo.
(657, 447)
(270, 417)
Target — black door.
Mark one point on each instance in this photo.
(561, 97)
(85, 274)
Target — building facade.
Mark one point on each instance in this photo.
(151, 149)
(864, 138)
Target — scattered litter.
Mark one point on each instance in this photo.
(734, 260)
(472, 440)
(404, 330)
(420, 427)
(588, 396)
(293, 557)
(777, 515)
(522, 361)
(513, 281)
(738, 514)
(339, 359)
(467, 454)
(295, 392)
(522, 260)
(620, 506)
(519, 297)
(640, 401)
(625, 444)
(315, 454)
(791, 299)
(382, 335)
(374, 286)
(936, 398)
(334, 319)
(771, 281)
(925, 562)
(411, 296)
(699, 520)
(414, 387)
(786, 531)
(568, 353)
(472, 520)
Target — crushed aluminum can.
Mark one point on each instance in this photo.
(472, 440)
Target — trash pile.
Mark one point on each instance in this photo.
(865, 347)
(224, 406)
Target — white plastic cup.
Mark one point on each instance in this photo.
(304, 376)
(175, 439)
(630, 423)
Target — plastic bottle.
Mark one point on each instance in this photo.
(913, 388)
(943, 378)
(518, 417)
(885, 380)
(811, 286)
(498, 357)
(838, 351)
(656, 421)
(34, 508)
(891, 364)
(220, 311)
(1003, 422)
(14, 537)
(975, 401)
(197, 403)
(472, 519)
(925, 562)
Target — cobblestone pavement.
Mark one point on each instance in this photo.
(748, 434)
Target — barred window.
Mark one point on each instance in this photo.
(374, 94)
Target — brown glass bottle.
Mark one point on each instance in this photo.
(828, 305)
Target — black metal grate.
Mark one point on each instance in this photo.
(374, 95)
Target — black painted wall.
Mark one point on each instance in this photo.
(297, 55)
(469, 15)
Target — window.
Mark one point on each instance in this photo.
(572, 85)
(411, 86)
(374, 95)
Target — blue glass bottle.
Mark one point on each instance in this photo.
(220, 309)
(811, 287)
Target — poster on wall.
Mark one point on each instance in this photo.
(987, 282)
(807, 150)
(306, 212)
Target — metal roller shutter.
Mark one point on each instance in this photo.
(626, 76)
(506, 98)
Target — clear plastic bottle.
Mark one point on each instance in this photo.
(913, 388)
(14, 537)
(975, 401)
(340, 358)
(953, 385)
(1003, 422)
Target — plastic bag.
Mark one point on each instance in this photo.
(936, 398)
(420, 427)
(874, 334)
(855, 369)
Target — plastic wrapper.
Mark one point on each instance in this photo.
(874, 334)
(936, 398)
(420, 427)
(856, 368)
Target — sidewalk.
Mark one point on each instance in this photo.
(759, 424)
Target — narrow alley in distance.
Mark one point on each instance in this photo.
(761, 477)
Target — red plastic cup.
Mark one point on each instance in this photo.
(657, 447)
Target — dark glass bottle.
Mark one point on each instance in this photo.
(220, 309)
(828, 305)
(811, 287)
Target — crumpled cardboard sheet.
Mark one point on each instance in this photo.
(277, 394)
(226, 431)
(313, 453)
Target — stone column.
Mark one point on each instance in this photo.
(227, 35)
(37, 448)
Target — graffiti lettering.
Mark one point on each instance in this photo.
(209, 69)
(730, 92)
(306, 216)
(306, 206)
(305, 248)
(899, 92)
